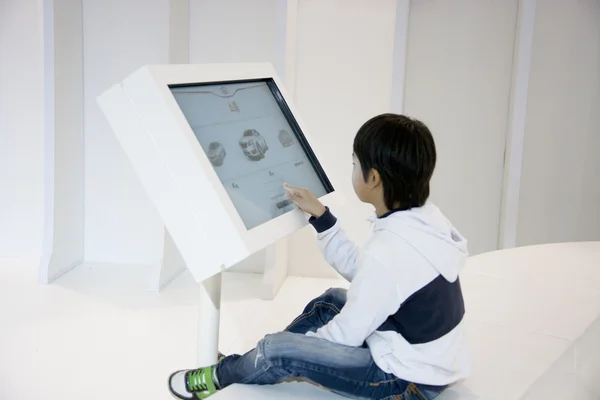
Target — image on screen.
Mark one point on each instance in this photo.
(253, 143)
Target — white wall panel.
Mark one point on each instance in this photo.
(560, 184)
(460, 57)
(21, 128)
(343, 77)
(233, 31)
(121, 224)
(459, 66)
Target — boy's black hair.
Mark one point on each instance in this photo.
(402, 150)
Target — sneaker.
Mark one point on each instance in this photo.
(193, 384)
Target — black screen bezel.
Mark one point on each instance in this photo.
(285, 109)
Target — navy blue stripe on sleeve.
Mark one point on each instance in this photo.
(324, 222)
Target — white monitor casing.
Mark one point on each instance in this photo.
(177, 174)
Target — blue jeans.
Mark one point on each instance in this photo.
(291, 355)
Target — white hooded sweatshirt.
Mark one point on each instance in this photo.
(404, 299)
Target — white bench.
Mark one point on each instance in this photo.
(533, 327)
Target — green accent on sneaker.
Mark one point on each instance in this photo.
(220, 357)
(200, 382)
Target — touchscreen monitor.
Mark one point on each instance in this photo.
(254, 144)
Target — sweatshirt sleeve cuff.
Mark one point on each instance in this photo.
(324, 222)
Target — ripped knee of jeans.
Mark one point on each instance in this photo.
(258, 356)
(261, 356)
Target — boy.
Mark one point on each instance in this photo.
(397, 332)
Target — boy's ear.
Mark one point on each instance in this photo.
(374, 178)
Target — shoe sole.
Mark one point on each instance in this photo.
(175, 395)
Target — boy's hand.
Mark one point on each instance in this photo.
(305, 200)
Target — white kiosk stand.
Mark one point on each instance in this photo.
(212, 146)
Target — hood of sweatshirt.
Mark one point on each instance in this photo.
(431, 234)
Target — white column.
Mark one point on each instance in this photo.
(400, 53)
(277, 255)
(170, 267)
(516, 124)
(62, 247)
(276, 269)
(172, 264)
(179, 32)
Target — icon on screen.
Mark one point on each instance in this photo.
(233, 107)
(285, 138)
(216, 153)
(281, 207)
(253, 145)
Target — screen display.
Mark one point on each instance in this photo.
(253, 143)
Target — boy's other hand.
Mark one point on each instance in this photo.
(305, 200)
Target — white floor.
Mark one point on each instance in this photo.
(96, 333)
(533, 325)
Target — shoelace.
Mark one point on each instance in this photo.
(197, 381)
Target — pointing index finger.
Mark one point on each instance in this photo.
(291, 188)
